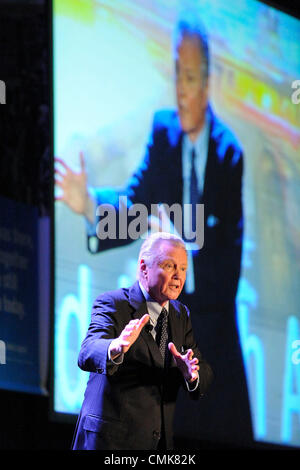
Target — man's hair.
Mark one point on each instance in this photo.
(189, 25)
(150, 249)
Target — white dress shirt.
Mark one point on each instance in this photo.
(200, 147)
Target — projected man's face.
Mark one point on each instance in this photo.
(191, 89)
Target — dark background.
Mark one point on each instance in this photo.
(26, 176)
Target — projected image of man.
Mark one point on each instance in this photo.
(191, 157)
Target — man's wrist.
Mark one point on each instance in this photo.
(114, 350)
(193, 384)
(89, 206)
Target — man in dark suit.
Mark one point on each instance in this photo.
(137, 363)
(192, 158)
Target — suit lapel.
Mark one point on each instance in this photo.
(174, 325)
(138, 302)
(174, 159)
(211, 162)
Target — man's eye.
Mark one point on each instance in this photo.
(169, 265)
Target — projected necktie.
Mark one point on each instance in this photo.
(194, 194)
(162, 331)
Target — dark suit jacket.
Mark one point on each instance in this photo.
(127, 406)
(158, 179)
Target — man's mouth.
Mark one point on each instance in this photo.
(174, 287)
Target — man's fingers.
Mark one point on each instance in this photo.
(82, 161)
(188, 366)
(60, 160)
(67, 168)
(142, 322)
(134, 327)
(190, 354)
(60, 173)
(59, 183)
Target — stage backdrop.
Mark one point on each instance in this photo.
(112, 69)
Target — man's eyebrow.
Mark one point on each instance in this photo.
(165, 260)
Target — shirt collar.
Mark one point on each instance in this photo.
(153, 306)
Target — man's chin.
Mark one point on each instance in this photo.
(174, 294)
(188, 128)
(184, 124)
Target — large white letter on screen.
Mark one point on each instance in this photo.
(76, 307)
(291, 382)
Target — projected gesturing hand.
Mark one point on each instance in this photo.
(162, 223)
(128, 336)
(74, 188)
(185, 363)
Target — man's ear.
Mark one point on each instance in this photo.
(143, 268)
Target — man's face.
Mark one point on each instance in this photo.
(165, 277)
(191, 89)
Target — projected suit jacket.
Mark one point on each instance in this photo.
(125, 405)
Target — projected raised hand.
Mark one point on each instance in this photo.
(162, 223)
(74, 188)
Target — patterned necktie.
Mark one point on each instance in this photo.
(162, 331)
(194, 194)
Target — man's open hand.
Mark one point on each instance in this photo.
(185, 363)
(128, 336)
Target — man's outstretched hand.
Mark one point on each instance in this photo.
(128, 336)
(185, 363)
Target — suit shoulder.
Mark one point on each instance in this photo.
(166, 125)
(164, 118)
(180, 308)
(112, 306)
(113, 296)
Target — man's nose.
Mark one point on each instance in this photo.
(181, 88)
(178, 274)
(175, 274)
